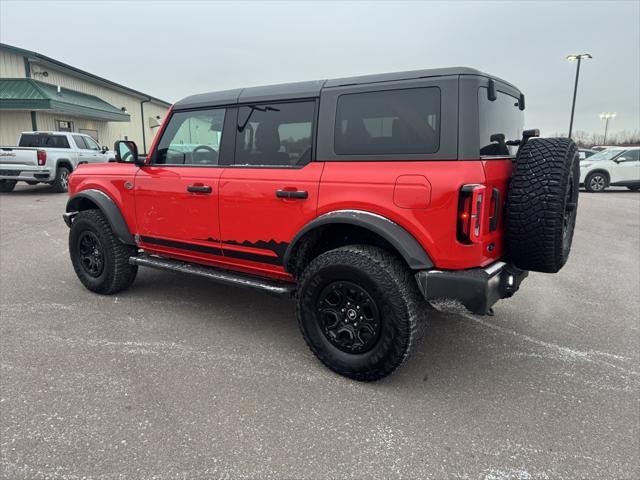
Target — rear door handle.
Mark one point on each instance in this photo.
(199, 189)
(301, 194)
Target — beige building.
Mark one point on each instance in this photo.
(40, 93)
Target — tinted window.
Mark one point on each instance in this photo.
(91, 144)
(79, 142)
(500, 121)
(276, 134)
(36, 140)
(192, 138)
(388, 122)
(631, 155)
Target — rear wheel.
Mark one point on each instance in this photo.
(542, 204)
(359, 311)
(596, 182)
(7, 186)
(99, 258)
(61, 182)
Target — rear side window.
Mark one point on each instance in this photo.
(277, 134)
(500, 120)
(45, 141)
(388, 122)
(79, 142)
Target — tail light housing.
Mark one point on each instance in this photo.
(42, 157)
(471, 204)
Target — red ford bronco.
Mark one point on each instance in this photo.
(363, 197)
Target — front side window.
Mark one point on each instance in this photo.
(631, 156)
(192, 138)
(91, 144)
(501, 120)
(277, 134)
(389, 122)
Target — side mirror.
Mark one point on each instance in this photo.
(620, 159)
(127, 152)
(105, 149)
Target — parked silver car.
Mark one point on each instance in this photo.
(48, 157)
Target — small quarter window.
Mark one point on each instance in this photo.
(389, 122)
(192, 138)
(277, 134)
(501, 120)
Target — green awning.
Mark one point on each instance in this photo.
(30, 94)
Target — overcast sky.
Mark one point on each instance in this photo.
(171, 49)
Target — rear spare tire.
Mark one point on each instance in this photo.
(542, 204)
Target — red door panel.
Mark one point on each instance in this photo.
(171, 219)
(256, 223)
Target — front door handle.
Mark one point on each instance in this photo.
(301, 194)
(199, 189)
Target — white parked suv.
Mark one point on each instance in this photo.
(48, 157)
(615, 166)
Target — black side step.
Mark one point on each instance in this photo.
(224, 276)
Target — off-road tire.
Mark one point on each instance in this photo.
(61, 182)
(596, 187)
(392, 287)
(117, 274)
(7, 186)
(542, 204)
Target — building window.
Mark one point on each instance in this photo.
(64, 126)
(92, 133)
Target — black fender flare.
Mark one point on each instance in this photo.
(108, 208)
(405, 243)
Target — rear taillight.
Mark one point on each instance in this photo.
(42, 157)
(470, 213)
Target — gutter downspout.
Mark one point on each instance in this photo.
(27, 74)
(144, 138)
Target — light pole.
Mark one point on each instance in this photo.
(606, 116)
(573, 58)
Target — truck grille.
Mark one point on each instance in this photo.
(10, 173)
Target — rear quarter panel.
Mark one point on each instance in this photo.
(369, 186)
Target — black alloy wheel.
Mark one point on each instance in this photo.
(349, 317)
(91, 253)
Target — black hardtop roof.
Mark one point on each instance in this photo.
(289, 91)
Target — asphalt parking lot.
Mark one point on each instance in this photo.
(181, 378)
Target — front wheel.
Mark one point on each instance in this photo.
(596, 182)
(359, 311)
(99, 258)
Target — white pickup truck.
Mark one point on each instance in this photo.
(48, 157)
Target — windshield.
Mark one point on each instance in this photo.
(607, 154)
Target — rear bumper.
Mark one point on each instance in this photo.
(477, 288)
(27, 173)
